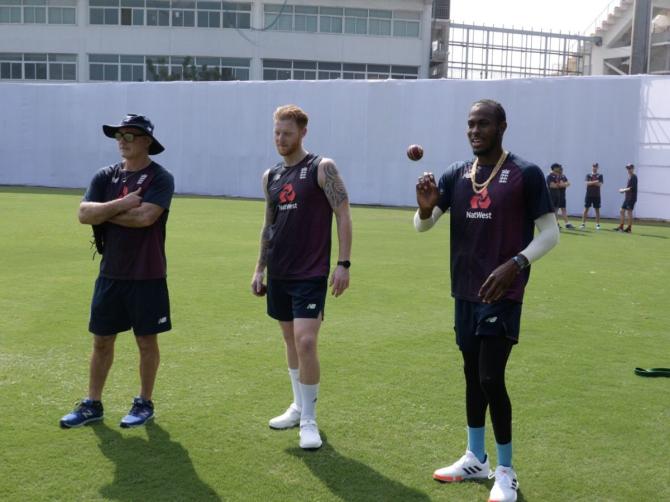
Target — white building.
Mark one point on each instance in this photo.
(137, 40)
(613, 55)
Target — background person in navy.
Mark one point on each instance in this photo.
(594, 180)
(301, 194)
(127, 204)
(558, 183)
(630, 198)
(495, 203)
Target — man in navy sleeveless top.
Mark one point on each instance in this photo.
(127, 204)
(301, 194)
(495, 202)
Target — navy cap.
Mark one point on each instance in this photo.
(138, 122)
(630, 166)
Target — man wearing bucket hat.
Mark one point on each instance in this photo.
(127, 203)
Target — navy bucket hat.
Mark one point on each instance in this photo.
(138, 122)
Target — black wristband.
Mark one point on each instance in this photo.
(344, 263)
(521, 261)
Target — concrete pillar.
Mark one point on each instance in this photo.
(641, 38)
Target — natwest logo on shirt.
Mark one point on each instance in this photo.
(286, 194)
(286, 198)
(480, 200)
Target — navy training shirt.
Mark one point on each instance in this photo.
(631, 195)
(488, 229)
(593, 190)
(300, 233)
(134, 253)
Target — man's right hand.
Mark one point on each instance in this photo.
(427, 195)
(257, 286)
(132, 200)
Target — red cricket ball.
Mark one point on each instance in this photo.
(414, 152)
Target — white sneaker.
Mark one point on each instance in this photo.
(505, 487)
(290, 418)
(310, 439)
(467, 467)
(582, 226)
(598, 226)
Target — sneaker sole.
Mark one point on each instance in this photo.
(63, 425)
(312, 447)
(284, 427)
(455, 479)
(124, 425)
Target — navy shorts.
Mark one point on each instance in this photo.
(301, 298)
(473, 320)
(558, 199)
(119, 305)
(628, 204)
(592, 201)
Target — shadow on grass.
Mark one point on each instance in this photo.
(150, 469)
(351, 480)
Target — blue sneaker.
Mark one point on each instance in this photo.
(140, 413)
(86, 411)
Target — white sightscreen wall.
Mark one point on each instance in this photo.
(218, 135)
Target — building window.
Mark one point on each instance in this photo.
(356, 21)
(278, 17)
(10, 11)
(306, 19)
(236, 15)
(132, 12)
(31, 66)
(380, 22)
(158, 12)
(281, 69)
(183, 13)
(406, 24)
(103, 67)
(330, 19)
(103, 12)
(62, 15)
(11, 66)
(133, 68)
(209, 14)
(35, 12)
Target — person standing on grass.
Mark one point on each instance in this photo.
(301, 194)
(594, 180)
(557, 183)
(495, 202)
(630, 198)
(127, 204)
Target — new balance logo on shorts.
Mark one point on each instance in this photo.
(311, 306)
(492, 319)
(162, 320)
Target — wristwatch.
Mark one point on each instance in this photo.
(344, 263)
(521, 261)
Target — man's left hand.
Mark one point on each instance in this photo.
(339, 280)
(497, 284)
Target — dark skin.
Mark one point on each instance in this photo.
(485, 134)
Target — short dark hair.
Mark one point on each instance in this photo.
(556, 165)
(498, 110)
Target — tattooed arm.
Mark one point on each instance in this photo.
(257, 286)
(332, 185)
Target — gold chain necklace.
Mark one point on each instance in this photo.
(480, 187)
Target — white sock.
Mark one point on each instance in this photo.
(309, 396)
(294, 373)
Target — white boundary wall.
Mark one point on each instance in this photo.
(218, 135)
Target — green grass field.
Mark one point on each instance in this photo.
(391, 402)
